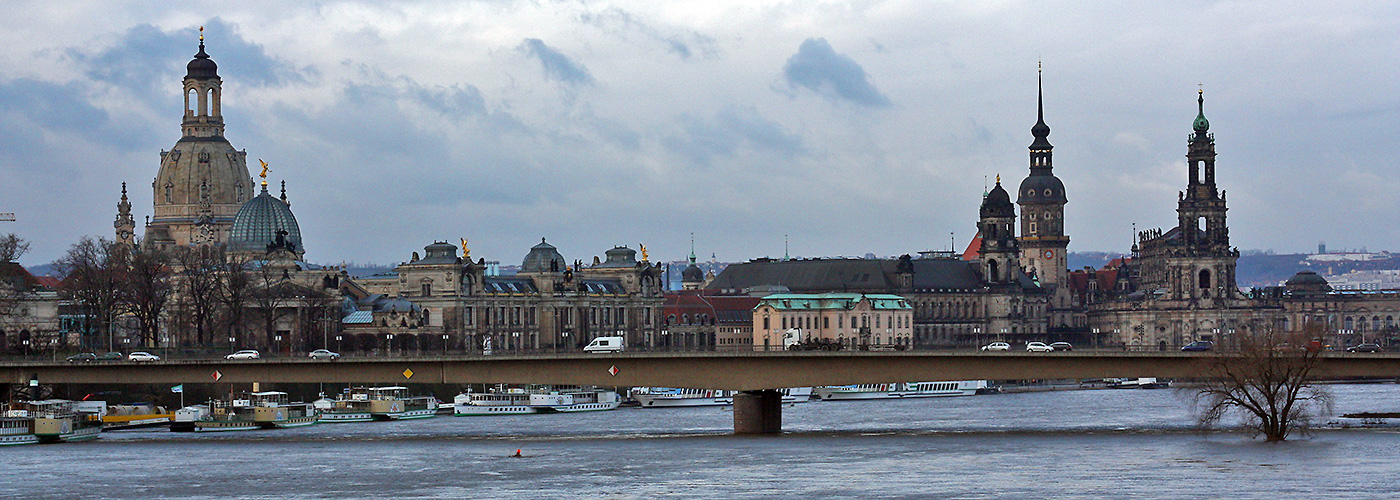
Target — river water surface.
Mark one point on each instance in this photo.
(1068, 444)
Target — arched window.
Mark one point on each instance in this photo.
(993, 273)
(1204, 279)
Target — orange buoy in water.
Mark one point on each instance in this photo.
(517, 452)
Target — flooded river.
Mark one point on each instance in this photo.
(1070, 444)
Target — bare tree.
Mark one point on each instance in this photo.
(12, 247)
(94, 280)
(234, 292)
(1268, 380)
(148, 289)
(198, 278)
(273, 291)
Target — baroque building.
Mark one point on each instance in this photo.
(203, 181)
(1179, 286)
(458, 304)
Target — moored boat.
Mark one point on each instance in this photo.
(674, 397)
(58, 420)
(258, 410)
(351, 406)
(394, 403)
(520, 401)
(17, 428)
(900, 390)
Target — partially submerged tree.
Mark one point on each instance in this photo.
(1268, 380)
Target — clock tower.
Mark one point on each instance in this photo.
(1042, 199)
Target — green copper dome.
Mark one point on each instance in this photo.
(258, 223)
(1201, 124)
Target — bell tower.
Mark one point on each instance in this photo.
(1042, 199)
(997, 224)
(1205, 270)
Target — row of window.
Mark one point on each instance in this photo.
(518, 315)
(808, 322)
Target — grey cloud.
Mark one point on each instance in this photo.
(679, 42)
(557, 66)
(817, 67)
(728, 131)
(146, 57)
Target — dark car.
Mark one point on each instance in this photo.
(111, 356)
(82, 357)
(1364, 348)
(1061, 346)
(1199, 345)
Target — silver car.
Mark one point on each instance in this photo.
(141, 356)
(244, 354)
(324, 354)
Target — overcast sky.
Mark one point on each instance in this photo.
(849, 127)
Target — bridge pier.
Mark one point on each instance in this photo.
(758, 412)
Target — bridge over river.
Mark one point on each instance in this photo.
(757, 374)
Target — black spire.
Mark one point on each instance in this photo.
(1041, 131)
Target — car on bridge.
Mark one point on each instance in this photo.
(244, 354)
(997, 346)
(1198, 346)
(323, 354)
(1061, 346)
(1367, 347)
(111, 356)
(1038, 347)
(82, 357)
(142, 356)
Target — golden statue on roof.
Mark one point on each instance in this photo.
(264, 171)
(644, 252)
(466, 252)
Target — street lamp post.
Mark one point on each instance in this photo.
(445, 337)
(515, 339)
(567, 345)
(977, 336)
(277, 344)
(389, 339)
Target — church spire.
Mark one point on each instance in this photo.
(1201, 125)
(1041, 131)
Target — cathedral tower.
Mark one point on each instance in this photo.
(202, 181)
(1207, 267)
(1042, 200)
(997, 224)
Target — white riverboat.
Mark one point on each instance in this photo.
(394, 403)
(353, 405)
(900, 390)
(257, 410)
(17, 427)
(519, 402)
(184, 418)
(672, 397)
(59, 420)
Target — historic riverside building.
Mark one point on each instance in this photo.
(849, 319)
(1003, 288)
(1179, 285)
(203, 197)
(1043, 243)
(203, 181)
(443, 301)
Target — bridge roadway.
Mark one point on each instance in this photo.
(758, 374)
(741, 371)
